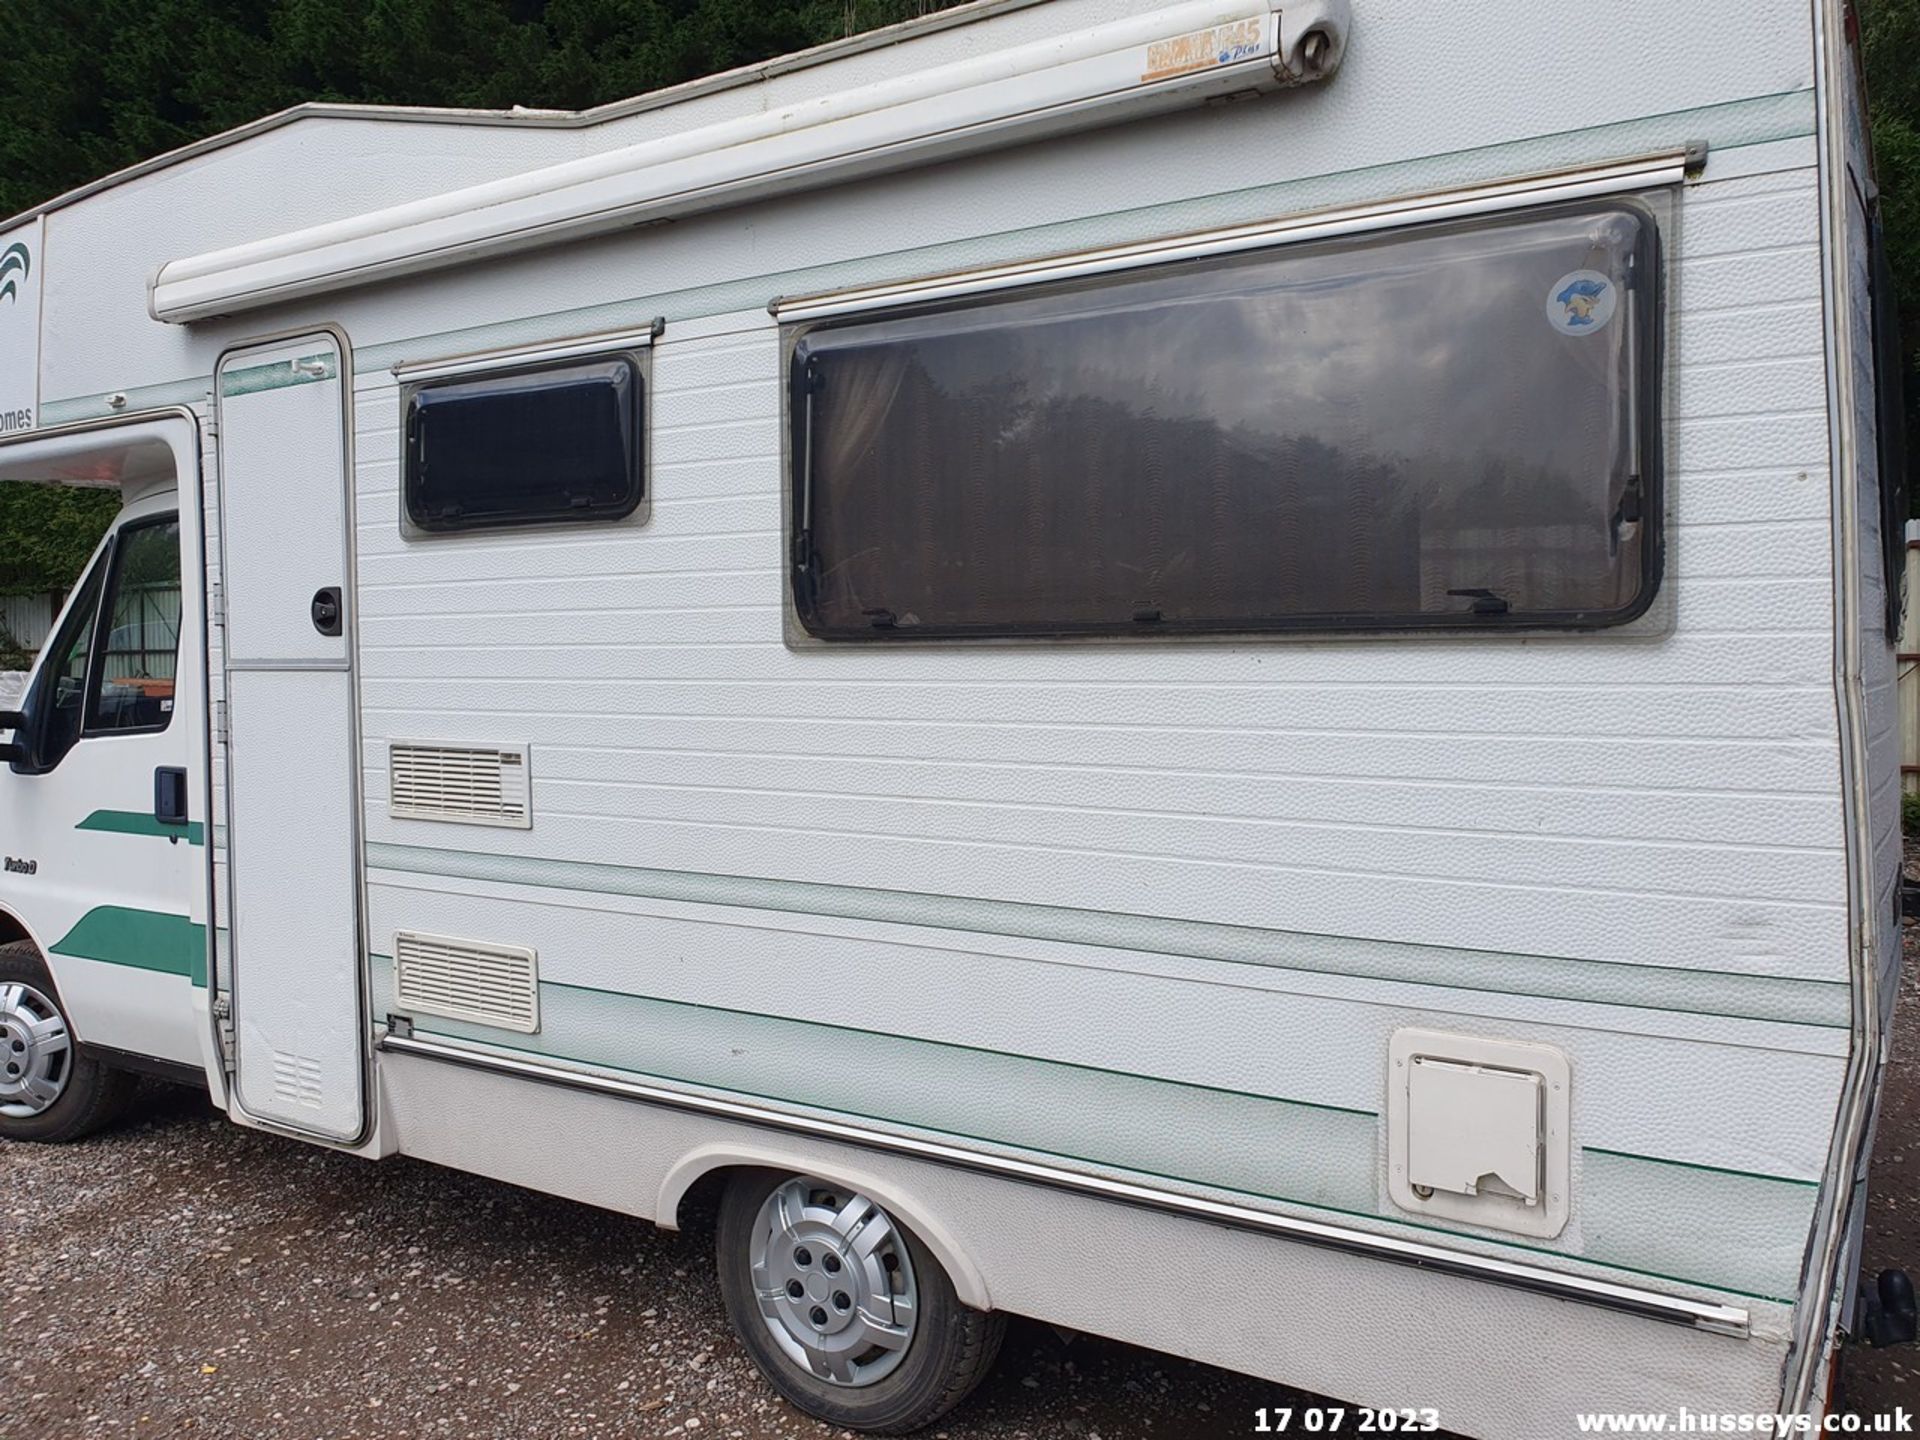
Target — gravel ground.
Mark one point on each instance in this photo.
(181, 1276)
(13, 684)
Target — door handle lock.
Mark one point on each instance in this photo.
(170, 797)
(326, 610)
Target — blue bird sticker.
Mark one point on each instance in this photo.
(1581, 302)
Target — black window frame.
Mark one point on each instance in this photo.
(636, 496)
(1647, 291)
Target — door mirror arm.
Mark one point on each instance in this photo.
(18, 752)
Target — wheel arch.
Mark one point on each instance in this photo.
(711, 1161)
(14, 929)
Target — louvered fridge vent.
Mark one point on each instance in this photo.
(466, 784)
(466, 980)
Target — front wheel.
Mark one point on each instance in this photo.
(843, 1309)
(49, 1090)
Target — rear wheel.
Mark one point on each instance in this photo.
(843, 1309)
(49, 1089)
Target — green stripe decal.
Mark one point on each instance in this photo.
(1695, 1165)
(132, 822)
(1700, 992)
(140, 940)
(307, 370)
(1746, 1232)
(1723, 1230)
(1311, 1154)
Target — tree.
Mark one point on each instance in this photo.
(1890, 31)
(91, 86)
(47, 532)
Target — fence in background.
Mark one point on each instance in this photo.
(29, 618)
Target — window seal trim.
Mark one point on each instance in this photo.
(1646, 172)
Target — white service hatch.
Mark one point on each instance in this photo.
(1473, 1127)
(1477, 1130)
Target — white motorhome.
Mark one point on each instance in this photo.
(1214, 671)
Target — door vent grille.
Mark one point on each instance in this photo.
(296, 1080)
(466, 980)
(465, 784)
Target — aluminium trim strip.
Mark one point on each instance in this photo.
(1668, 167)
(88, 426)
(481, 362)
(1703, 1315)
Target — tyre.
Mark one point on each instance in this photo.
(843, 1309)
(49, 1089)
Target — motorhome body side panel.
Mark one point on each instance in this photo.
(1157, 910)
(1342, 1326)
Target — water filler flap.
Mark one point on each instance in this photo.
(1477, 1130)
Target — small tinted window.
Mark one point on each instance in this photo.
(140, 639)
(1452, 425)
(555, 443)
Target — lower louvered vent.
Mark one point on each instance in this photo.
(466, 980)
(469, 784)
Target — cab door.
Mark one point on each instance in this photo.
(104, 841)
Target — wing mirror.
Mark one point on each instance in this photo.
(14, 752)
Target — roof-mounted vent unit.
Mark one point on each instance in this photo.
(1164, 60)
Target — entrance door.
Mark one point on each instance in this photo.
(292, 750)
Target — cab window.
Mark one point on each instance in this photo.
(110, 668)
(139, 643)
(60, 690)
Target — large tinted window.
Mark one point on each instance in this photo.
(555, 443)
(1451, 425)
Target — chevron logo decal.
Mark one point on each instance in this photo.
(15, 265)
